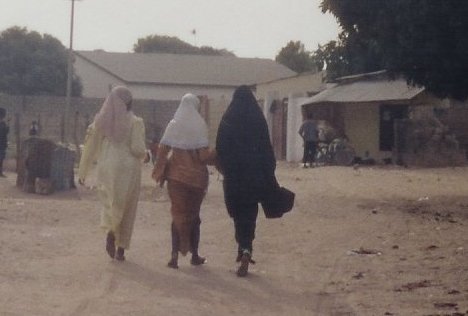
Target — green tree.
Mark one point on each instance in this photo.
(295, 57)
(346, 56)
(32, 64)
(174, 45)
(423, 40)
(332, 57)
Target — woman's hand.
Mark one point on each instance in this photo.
(154, 175)
(158, 178)
(147, 157)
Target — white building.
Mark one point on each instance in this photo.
(170, 76)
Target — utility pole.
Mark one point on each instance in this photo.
(65, 120)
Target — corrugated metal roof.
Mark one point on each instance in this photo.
(187, 69)
(366, 90)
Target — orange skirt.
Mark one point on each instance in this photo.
(185, 210)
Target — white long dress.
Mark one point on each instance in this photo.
(118, 177)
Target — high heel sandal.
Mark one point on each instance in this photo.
(239, 257)
(244, 260)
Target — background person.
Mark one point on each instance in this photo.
(33, 130)
(309, 134)
(247, 161)
(116, 139)
(181, 159)
(4, 130)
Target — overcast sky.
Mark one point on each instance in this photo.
(249, 28)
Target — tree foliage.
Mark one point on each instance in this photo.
(32, 64)
(295, 57)
(331, 56)
(174, 45)
(348, 55)
(423, 40)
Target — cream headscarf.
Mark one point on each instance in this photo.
(113, 120)
(187, 130)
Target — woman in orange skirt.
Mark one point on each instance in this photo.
(182, 159)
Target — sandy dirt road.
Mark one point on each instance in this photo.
(366, 241)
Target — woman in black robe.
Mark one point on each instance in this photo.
(247, 161)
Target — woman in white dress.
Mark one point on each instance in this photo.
(116, 139)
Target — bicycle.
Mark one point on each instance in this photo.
(338, 152)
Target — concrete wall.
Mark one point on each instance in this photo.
(49, 111)
(290, 88)
(361, 122)
(456, 119)
(294, 149)
(217, 108)
(362, 125)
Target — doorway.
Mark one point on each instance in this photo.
(388, 114)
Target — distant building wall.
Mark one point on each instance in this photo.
(302, 84)
(217, 108)
(361, 123)
(176, 92)
(49, 111)
(277, 91)
(97, 82)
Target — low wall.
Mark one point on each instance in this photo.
(49, 112)
(426, 143)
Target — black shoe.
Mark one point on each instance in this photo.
(173, 262)
(110, 244)
(197, 260)
(120, 254)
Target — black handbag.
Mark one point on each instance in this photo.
(278, 201)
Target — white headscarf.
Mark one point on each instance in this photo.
(187, 130)
(113, 120)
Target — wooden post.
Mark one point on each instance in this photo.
(75, 134)
(17, 130)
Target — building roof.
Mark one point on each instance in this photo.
(295, 75)
(365, 88)
(186, 69)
